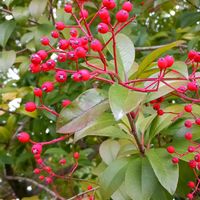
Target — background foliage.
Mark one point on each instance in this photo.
(22, 24)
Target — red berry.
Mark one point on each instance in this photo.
(175, 160)
(170, 149)
(170, 60)
(73, 32)
(188, 136)
(39, 161)
(47, 86)
(85, 74)
(50, 64)
(45, 41)
(191, 184)
(160, 112)
(63, 44)
(197, 158)
(80, 52)
(96, 45)
(162, 63)
(188, 108)
(61, 76)
(122, 16)
(197, 121)
(62, 57)
(156, 106)
(68, 8)
(36, 59)
(76, 155)
(109, 4)
(34, 68)
(60, 26)
(30, 106)
(84, 41)
(71, 55)
(41, 178)
(55, 34)
(37, 92)
(48, 180)
(84, 14)
(43, 54)
(128, 6)
(188, 124)
(197, 57)
(89, 187)
(192, 164)
(190, 196)
(37, 149)
(76, 77)
(23, 137)
(62, 161)
(37, 171)
(37, 156)
(102, 28)
(104, 14)
(182, 89)
(66, 102)
(47, 169)
(191, 149)
(192, 86)
(192, 54)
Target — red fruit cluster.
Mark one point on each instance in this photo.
(166, 62)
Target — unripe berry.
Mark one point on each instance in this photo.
(175, 160)
(188, 124)
(170, 60)
(73, 32)
(170, 149)
(191, 149)
(50, 64)
(192, 54)
(190, 196)
(55, 34)
(80, 52)
(102, 28)
(192, 164)
(128, 6)
(37, 149)
(192, 86)
(191, 184)
(122, 16)
(37, 92)
(83, 14)
(188, 108)
(188, 136)
(62, 161)
(23, 137)
(36, 171)
(76, 155)
(160, 112)
(41, 178)
(36, 59)
(45, 41)
(68, 8)
(60, 26)
(66, 102)
(47, 86)
(63, 44)
(61, 76)
(34, 68)
(43, 54)
(30, 106)
(96, 45)
(85, 75)
(197, 121)
(62, 57)
(162, 63)
(197, 158)
(109, 4)
(104, 14)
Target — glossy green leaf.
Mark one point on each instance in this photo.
(86, 108)
(123, 100)
(180, 67)
(166, 172)
(121, 194)
(37, 7)
(7, 59)
(140, 180)
(111, 179)
(7, 29)
(20, 14)
(108, 150)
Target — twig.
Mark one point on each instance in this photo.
(157, 47)
(51, 11)
(192, 4)
(18, 178)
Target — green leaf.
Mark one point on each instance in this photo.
(140, 180)
(7, 29)
(111, 179)
(20, 14)
(123, 100)
(156, 54)
(57, 151)
(120, 194)
(7, 59)
(4, 134)
(166, 172)
(37, 7)
(180, 67)
(85, 109)
(108, 150)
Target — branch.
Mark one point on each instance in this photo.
(192, 4)
(53, 194)
(156, 47)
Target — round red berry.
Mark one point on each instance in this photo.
(85, 74)
(50, 64)
(45, 41)
(197, 121)
(23, 137)
(192, 86)
(66, 102)
(160, 112)
(175, 160)
(169, 60)
(197, 57)
(43, 54)
(96, 45)
(197, 157)
(37, 149)
(60, 26)
(122, 16)
(76, 77)
(47, 86)
(48, 180)
(36, 59)
(109, 4)
(73, 32)
(76, 155)
(156, 106)
(191, 184)
(37, 171)
(162, 63)
(47, 169)
(188, 108)
(192, 164)
(170, 149)
(89, 187)
(128, 6)
(30, 106)
(68, 8)
(188, 124)
(188, 136)
(55, 34)
(104, 14)
(41, 178)
(191, 149)
(62, 57)
(83, 14)
(62, 161)
(37, 92)
(34, 68)
(190, 196)
(61, 76)
(192, 54)
(102, 28)
(63, 44)
(80, 52)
